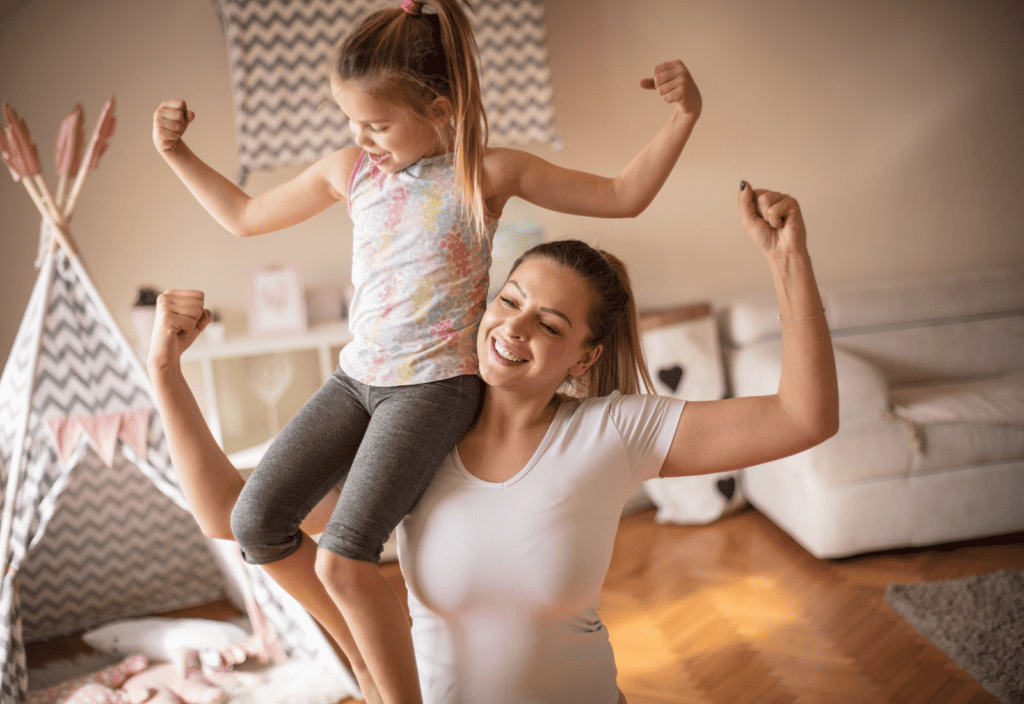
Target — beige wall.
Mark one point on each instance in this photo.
(898, 125)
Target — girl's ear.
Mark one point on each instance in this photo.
(586, 361)
(442, 109)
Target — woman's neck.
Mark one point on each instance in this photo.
(509, 412)
(506, 435)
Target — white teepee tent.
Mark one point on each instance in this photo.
(94, 525)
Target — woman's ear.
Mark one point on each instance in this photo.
(585, 362)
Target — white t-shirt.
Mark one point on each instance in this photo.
(505, 578)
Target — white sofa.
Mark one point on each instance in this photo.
(931, 441)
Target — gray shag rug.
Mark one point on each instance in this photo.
(977, 621)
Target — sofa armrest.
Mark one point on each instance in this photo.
(863, 386)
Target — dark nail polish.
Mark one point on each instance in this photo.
(743, 185)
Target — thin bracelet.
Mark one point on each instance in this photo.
(797, 320)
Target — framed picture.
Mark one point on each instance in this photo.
(277, 301)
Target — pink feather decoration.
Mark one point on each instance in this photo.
(20, 141)
(70, 143)
(101, 137)
(8, 157)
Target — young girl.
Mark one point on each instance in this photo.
(424, 193)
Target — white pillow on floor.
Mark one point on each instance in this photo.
(695, 500)
(161, 638)
(684, 359)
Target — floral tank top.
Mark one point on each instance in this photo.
(419, 274)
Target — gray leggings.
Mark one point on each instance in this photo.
(384, 442)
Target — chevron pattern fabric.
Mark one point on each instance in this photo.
(16, 381)
(114, 548)
(15, 386)
(15, 672)
(279, 50)
(118, 545)
(91, 543)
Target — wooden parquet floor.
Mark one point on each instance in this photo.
(737, 613)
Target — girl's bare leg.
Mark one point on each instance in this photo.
(378, 620)
(297, 575)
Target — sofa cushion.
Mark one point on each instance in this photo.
(964, 422)
(960, 444)
(860, 454)
(941, 349)
(998, 400)
(684, 359)
(960, 294)
(863, 386)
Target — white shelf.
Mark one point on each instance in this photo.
(328, 335)
(320, 338)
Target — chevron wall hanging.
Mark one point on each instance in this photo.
(278, 51)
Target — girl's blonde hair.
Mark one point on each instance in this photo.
(410, 57)
(612, 318)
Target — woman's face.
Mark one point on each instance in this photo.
(534, 334)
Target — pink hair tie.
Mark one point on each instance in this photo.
(412, 7)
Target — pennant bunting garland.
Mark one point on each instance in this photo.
(103, 432)
(66, 434)
(134, 428)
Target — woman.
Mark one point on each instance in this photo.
(506, 551)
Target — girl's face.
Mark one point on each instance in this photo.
(534, 334)
(394, 136)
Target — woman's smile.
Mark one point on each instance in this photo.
(505, 353)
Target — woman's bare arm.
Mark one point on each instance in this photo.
(210, 482)
(716, 436)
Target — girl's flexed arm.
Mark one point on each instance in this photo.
(515, 173)
(315, 189)
(716, 436)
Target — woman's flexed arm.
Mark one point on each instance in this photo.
(716, 436)
(209, 481)
(318, 187)
(515, 173)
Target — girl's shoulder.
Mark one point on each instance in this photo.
(502, 168)
(345, 160)
(338, 167)
(498, 159)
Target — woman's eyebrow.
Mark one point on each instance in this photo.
(559, 313)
